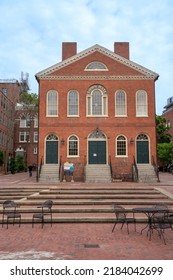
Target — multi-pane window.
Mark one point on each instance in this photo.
(52, 103)
(73, 143)
(120, 103)
(97, 103)
(35, 136)
(121, 146)
(25, 121)
(24, 136)
(141, 103)
(73, 103)
(96, 66)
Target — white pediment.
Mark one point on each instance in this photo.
(46, 73)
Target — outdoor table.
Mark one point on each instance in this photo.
(149, 212)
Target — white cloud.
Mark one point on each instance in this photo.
(32, 33)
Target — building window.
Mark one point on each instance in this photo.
(24, 136)
(73, 143)
(120, 103)
(25, 121)
(121, 146)
(73, 103)
(36, 121)
(35, 136)
(52, 103)
(96, 66)
(35, 151)
(141, 103)
(97, 101)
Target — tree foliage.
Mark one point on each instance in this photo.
(165, 152)
(162, 130)
(29, 99)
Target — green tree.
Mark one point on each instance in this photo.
(165, 152)
(29, 98)
(162, 130)
(19, 163)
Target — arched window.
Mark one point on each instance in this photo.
(73, 146)
(121, 146)
(52, 103)
(97, 101)
(96, 66)
(120, 103)
(141, 103)
(73, 103)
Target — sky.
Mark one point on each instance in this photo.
(32, 33)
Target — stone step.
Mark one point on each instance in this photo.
(98, 173)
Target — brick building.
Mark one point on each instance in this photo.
(9, 95)
(168, 115)
(97, 112)
(26, 133)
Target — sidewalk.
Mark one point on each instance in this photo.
(81, 241)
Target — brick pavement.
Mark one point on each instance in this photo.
(81, 241)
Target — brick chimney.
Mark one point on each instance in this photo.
(68, 49)
(122, 49)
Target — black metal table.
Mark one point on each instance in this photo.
(149, 212)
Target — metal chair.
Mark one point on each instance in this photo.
(121, 217)
(46, 210)
(10, 212)
(160, 223)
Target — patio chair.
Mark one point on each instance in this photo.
(10, 212)
(121, 217)
(46, 210)
(160, 223)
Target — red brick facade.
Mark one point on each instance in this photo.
(110, 72)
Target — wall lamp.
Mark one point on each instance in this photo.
(131, 140)
(62, 141)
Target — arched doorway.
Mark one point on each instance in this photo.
(97, 148)
(51, 149)
(142, 148)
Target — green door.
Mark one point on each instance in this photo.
(97, 152)
(142, 152)
(51, 152)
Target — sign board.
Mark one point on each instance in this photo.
(68, 167)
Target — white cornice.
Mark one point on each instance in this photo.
(46, 73)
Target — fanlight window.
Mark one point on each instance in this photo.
(142, 137)
(121, 146)
(96, 66)
(97, 134)
(52, 137)
(73, 144)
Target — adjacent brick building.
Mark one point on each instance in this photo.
(96, 109)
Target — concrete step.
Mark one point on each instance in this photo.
(49, 173)
(146, 173)
(98, 173)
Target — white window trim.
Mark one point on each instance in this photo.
(47, 115)
(72, 156)
(121, 156)
(146, 115)
(125, 115)
(68, 115)
(89, 96)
